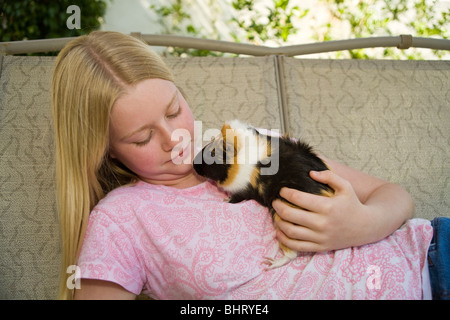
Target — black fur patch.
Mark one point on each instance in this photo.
(296, 160)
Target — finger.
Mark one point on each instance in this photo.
(299, 245)
(294, 215)
(295, 231)
(308, 201)
(330, 178)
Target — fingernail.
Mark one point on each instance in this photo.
(274, 204)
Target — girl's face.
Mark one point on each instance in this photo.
(141, 127)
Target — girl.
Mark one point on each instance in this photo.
(134, 219)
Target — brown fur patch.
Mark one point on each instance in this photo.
(269, 148)
(327, 193)
(225, 128)
(254, 178)
(285, 249)
(232, 174)
(230, 138)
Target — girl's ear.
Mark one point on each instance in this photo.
(112, 154)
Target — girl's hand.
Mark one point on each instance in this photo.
(323, 223)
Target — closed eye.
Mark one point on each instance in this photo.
(144, 142)
(175, 105)
(174, 115)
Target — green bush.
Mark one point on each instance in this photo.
(44, 19)
(276, 21)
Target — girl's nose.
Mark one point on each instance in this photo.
(166, 138)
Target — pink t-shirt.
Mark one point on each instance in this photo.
(190, 244)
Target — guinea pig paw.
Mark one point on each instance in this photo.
(267, 261)
(272, 263)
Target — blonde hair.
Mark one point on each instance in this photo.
(91, 72)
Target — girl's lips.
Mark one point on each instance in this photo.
(182, 155)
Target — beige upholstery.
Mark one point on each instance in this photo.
(389, 118)
(29, 233)
(220, 89)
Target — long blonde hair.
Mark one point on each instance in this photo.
(91, 72)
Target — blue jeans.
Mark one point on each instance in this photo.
(439, 259)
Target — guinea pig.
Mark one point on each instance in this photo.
(248, 163)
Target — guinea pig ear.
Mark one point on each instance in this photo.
(227, 136)
(226, 129)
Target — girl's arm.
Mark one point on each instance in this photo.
(102, 290)
(363, 210)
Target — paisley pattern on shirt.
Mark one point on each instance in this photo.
(191, 244)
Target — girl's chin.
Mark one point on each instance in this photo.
(179, 179)
(177, 166)
(176, 170)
